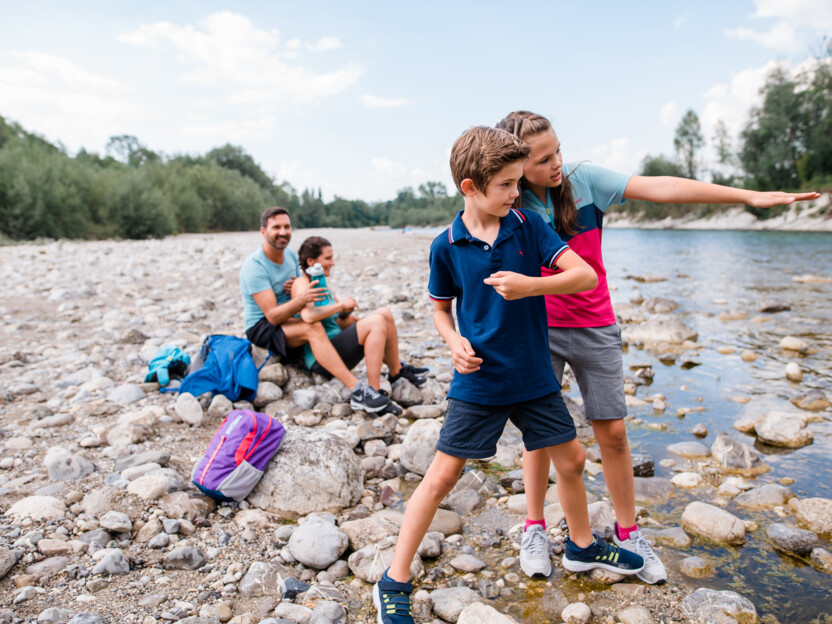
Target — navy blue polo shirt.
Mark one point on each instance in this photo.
(510, 336)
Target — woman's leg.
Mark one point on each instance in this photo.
(372, 335)
(391, 347)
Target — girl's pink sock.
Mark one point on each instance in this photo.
(530, 522)
(624, 534)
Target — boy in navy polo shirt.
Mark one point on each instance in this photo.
(489, 261)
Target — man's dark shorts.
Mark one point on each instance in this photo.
(268, 336)
(471, 430)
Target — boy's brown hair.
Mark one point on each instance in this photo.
(479, 153)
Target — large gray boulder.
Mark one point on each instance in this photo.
(314, 471)
(419, 445)
(783, 429)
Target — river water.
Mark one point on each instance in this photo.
(710, 273)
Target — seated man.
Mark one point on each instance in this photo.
(270, 313)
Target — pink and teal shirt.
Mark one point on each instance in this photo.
(594, 189)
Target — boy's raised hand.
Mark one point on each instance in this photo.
(463, 355)
(762, 199)
(510, 285)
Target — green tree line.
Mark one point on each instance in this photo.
(786, 144)
(134, 192)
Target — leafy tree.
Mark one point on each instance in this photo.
(726, 160)
(233, 157)
(660, 166)
(687, 142)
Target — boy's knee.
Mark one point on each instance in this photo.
(573, 461)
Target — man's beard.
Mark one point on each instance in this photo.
(277, 241)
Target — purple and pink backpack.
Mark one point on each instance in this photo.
(238, 454)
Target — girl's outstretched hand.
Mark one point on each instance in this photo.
(776, 198)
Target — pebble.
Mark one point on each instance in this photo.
(576, 613)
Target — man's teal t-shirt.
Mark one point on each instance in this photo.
(258, 273)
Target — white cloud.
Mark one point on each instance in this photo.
(64, 101)
(387, 166)
(372, 101)
(230, 130)
(731, 102)
(677, 23)
(228, 48)
(325, 43)
(669, 114)
(798, 24)
(617, 155)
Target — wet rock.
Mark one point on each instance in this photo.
(370, 562)
(189, 410)
(478, 613)
(792, 343)
(419, 445)
(635, 615)
(643, 465)
(451, 602)
(658, 330)
(689, 449)
(661, 305)
(185, 558)
(710, 605)
(695, 567)
(652, 490)
(792, 540)
(700, 430)
(783, 429)
(113, 562)
(318, 544)
(813, 401)
(793, 372)
(713, 523)
(822, 559)
(813, 513)
(687, 480)
(771, 306)
(38, 508)
(735, 457)
(767, 496)
(314, 471)
(576, 613)
(674, 537)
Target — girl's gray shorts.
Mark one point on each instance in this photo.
(594, 355)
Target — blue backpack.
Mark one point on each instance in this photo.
(227, 369)
(169, 362)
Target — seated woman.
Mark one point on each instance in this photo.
(373, 336)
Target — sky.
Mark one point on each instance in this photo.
(361, 99)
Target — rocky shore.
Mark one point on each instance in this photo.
(99, 521)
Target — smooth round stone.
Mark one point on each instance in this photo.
(791, 539)
(576, 613)
(116, 522)
(695, 567)
(467, 563)
(689, 449)
(687, 480)
(793, 372)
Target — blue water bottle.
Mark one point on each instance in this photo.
(316, 272)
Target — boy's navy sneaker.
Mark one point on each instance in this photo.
(599, 554)
(414, 374)
(392, 601)
(366, 398)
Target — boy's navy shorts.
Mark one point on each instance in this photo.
(471, 430)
